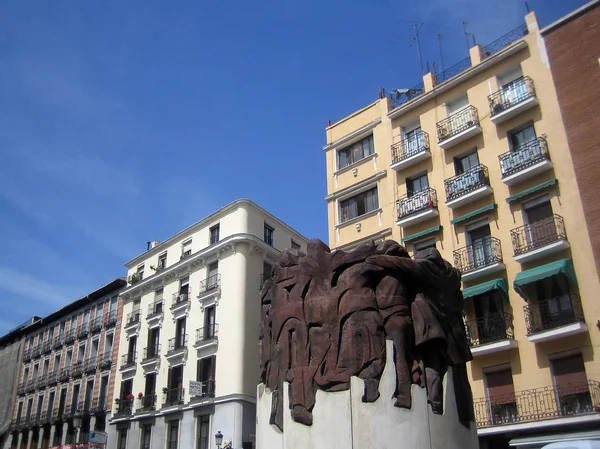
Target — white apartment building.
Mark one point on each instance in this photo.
(189, 355)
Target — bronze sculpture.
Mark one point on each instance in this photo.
(326, 317)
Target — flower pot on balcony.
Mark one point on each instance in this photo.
(498, 107)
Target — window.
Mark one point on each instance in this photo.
(453, 107)
(184, 289)
(186, 248)
(480, 252)
(571, 385)
(146, 434)
(267, 271)
(424, 244)
(40, 404)
(75, 397)
(521, 136)
(173, 434)
(268, 237)
(140, 272)
(212, 276)
(203, 432)
(501, 394)
(416, 184)
(122, 439)
(355, 152)
(209, 323)
(214, 234)
(358, 205)
(162, 262)
(295, 245)
(465, 163)
(103, 393)
(206, 375)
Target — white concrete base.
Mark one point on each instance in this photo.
(342, 420)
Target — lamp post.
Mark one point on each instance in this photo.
(77, 417)
(219, 439)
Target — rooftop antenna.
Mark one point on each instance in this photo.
(527, 7)
(440, 36)
(416, 28)
(467, 33)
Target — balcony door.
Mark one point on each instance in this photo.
(554, 302)
(512, 86)
(413, 139)
(480, 252)
(489, 319)
(501, 396)
(89, 393)
(209, 323)
(153, 341)
(180, 328)
(540, 229)
(183, 289)
(571, 385)
(417, 189)
(132, 349)
(212, 274)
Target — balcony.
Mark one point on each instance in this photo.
(83, 331)
(99, 405)
(491, 334)
(537, 405)
(479, 259)
(53, 377)
(155, 312)
(209, 285)
(180, 303)
(124, 407)
(16, 424)
(59, 341)
(21, 389)
(105, 361)
(524, 162)
(27, 355)
(539, 239)
(96, 325)
(33, 420)
(554, 318)
(110, 318)
(85, 407)
(511, 100)
(57, 415)
(202, 391)
(206, 336)
(467, 187)
(458, 127)
(91, 365)
(151, 356)
(146, 403)
(30, 386)
(65, 374)
(77, 370)
(132, 320)
(69, 411)
(177, 346)
(70, 336)
(173, 396)
(37, 351)
(417, 207)
(47, 347)
(40, 382)
(128, 361)
(410, 151)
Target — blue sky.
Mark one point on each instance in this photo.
(120, 121)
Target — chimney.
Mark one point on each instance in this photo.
(154, 243)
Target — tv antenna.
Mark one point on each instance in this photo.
(440, 36)
(467, 34)
(416, 38)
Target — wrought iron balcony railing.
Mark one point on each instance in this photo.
(207, 333)
(47, 347)
(173, 396)
(65, 374)
(151, 353)
(504, 41)
(538, 234)
(16, 424)
(538, 404)
(37, 351)
(181, 298)
(511, 95)
(77, 370)
(85, 406)
(21, 388)
(40, 382)
(69, 411)
(128, 360)
(53, 377)
(96, 325)
(177, 344)
(45, 417)
(91, 364)
(155, 309)
(552, 313)
(146, 403)
(59, 341)
(466, 182)
(83, 330)
(458, 122)
(106, 360)
(481, 254)
(27, 355)
(133, 318)
(99, 405)
(207, 390)
(523, 157)
(417, 202)
(209, 284)
(57, 414)
(33, 420)
(410, 146)
(110, 318)
(451, 72)
(124, 407)
(70, 336)
(30, 386)
(490, 329)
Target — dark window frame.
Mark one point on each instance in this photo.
(364, 146)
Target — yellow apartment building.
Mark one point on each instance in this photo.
(475, 161)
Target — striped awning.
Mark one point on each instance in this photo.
(531, 190)
(408, 238)
(480, 211)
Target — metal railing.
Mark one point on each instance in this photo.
(417, 202)
(552, 313)
(96, 325)
(128, 360)
(68, 412)
(155, 309)
(47, 347)
(57, 414)
(401, 96)
(133, 318)
(211, 283)
(466, 182)
(99, 405)
(30, 386)
(70, 336)
(526, 155)
(173, 396)
(207, 389)
(77, 370)
(490, 329)
(40, 382)
(110, 318)
(410, 146)
(33, 420)
(181, 298)
(59, 341)
(480, 254)
(177, 344)
(37, 351)
(105, 361)
(450, 72)
(53, 377)
(21, 388)
(45, 417)
(91, 364)
(27, 355)
(146, 403)
(512, 94)
(151, 353)
(207, 333)
(85, 406)
(458, 122)
(65, 374)
(83, 330)
(538, 404)
(124, 407)
(504, 41)
(538, 234)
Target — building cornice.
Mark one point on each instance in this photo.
(215, 216)
(353, 136)
(359, 185)
(199, 258)
(378, 235)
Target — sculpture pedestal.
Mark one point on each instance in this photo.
(342, 420)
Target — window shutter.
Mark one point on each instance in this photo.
(569, 375)
(500, 387)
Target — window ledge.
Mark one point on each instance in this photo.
(355, 164)
(359, 218)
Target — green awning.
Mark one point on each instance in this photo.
(563, 266)
(408, 238)
(480, 289)
(484, 209)
(533, 189)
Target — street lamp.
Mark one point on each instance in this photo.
(219, 439)
(77, 417)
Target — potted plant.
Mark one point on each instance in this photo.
(497, 409)
(134, 278)
(140, 395)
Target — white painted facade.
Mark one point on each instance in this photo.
(220, 315)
